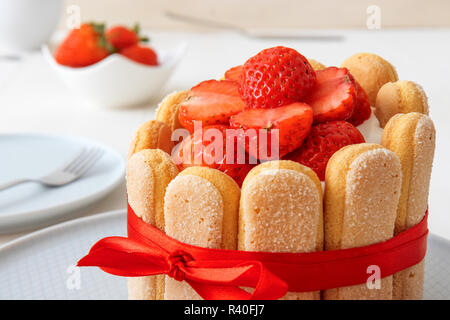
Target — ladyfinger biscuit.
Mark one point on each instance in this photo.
(371, 72)
(316, 64)
(362, 188)
(399, 97)
(281, 211)
(153, 134)
(148, 174)
(412, 137)
(201, 208)
(167, 111)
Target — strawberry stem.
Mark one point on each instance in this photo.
(137, 29)
(103, 42)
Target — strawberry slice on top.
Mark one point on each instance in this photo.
(202, 149)
(323, 141)
(333, 96)
(211, 102)
(234, 74)
(362, 110)
(293, 123)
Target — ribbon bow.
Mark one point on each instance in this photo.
(212, 280)
(217, 274)
(176, 262)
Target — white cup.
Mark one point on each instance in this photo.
(27, 24)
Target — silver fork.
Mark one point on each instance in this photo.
(70, 171)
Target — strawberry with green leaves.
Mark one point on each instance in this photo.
(84, 46)
(122, 37)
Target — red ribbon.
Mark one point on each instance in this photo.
(217, 274)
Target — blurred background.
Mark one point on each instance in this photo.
(270, 13)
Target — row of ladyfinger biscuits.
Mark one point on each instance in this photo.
(372, 224)
(279, 210)
(371, 193)
(411, 137)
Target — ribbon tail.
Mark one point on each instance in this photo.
(219, 292)
(269, 286)
(225, 283)
(125, 257)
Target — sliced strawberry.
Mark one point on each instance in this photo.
(333, 96)
(234, 74)
(211, 102)
(236, 171)
(202, 148)
(292, 122)
(362, 109)
(323, 141)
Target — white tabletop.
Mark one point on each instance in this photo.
(33, 99)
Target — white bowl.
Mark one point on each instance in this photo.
(116, 81)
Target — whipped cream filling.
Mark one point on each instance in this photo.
(371, 129)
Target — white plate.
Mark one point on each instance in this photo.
(32, 205)
(39, 265)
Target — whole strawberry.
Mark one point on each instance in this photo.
(323, 141)
(122, 37)
(83, 47)
(276, 77)
(143, 55)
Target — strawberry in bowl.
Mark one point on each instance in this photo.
(91, 43)
(114, 67)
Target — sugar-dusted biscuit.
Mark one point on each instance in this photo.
(362, 189)
(371, 72)
(148, 173)
(281, 211)
(412, 137)
(201, 208)
(316, 64)
(153, 134)
(399, 97)
(167, 111)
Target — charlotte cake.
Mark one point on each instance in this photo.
(374, 187)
